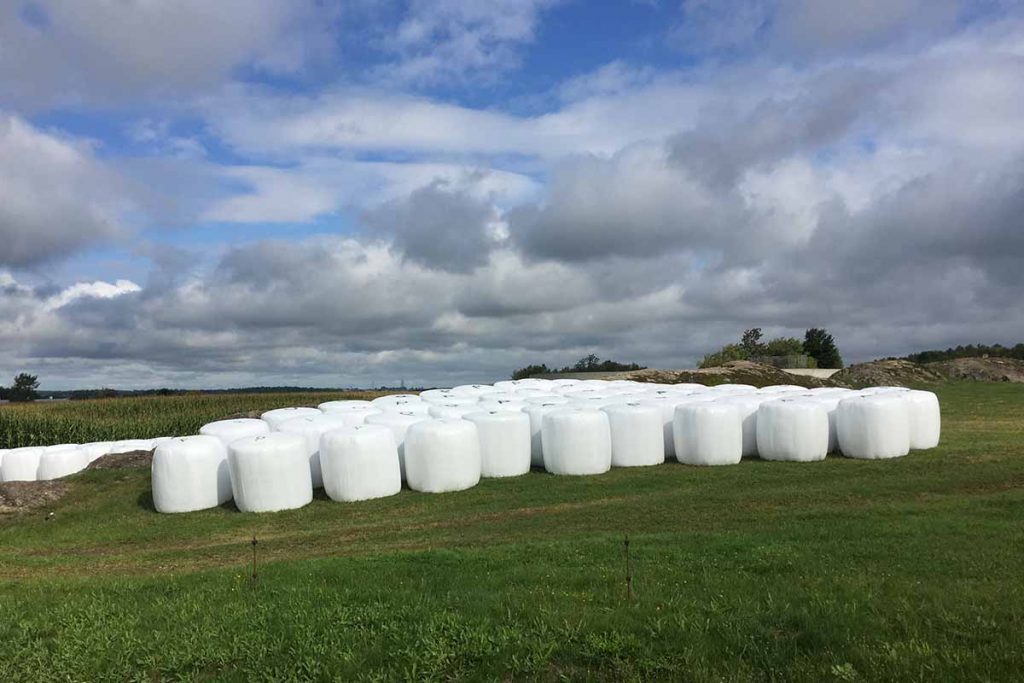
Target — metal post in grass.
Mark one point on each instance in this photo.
(629, 571)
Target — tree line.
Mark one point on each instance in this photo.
(969, 351)
(589, 363)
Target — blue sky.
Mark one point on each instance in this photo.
(324, 193)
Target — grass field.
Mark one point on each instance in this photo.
(911, 569)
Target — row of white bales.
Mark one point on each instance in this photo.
(447, 439)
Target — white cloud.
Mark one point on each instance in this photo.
(94, 290)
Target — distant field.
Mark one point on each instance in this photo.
(841, 570)
(43, 424)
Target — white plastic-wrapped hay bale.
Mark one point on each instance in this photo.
(337, 406)
(504, 442)
(354, 416)
(873, 426)
(506, 404)
(747, 405)
(55, 463)
(782, 389)
(270, 472)
(311, 428)
(442, 455)
(536, 413)
(708, 433)
(60, 447)
(230, 430)
(385, 402)
(551, 399)
(472, 389)
(399, 424)
(691, 387)
(2, 451)
(637, 434)
(416, 407)
(360, 463)
(925, 419)
(732, 389)
(190, 473)
(667, 405)
(438, 396)
(792, 429)
(21, 464)
(130, 445)
(577, 442)
(277, 417)
(453, 410)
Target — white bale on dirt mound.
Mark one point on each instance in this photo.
(337, 406)
(270, 472)
(792, 429)
(748, 405)
(708, 433)
(577, 442)
(504, 442)
(57, 462)
(399, 424)
(360, 463)
(129, 445)
(536, 413)
(667, 406)
(311, 428)
(873, 426)
(190, 473)
(453, 410)
(21, 464)
(925, 419)
(442, 455)
(383, 402)
(637, 434)
(229, 430)
(277, 417)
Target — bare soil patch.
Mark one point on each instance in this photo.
(16, 496)
(123, 461)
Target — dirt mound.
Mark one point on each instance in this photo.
(886, 373)
(123, 461)
(24, 495)
(733, 372)
(980, 369)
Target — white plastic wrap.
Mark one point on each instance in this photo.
(276, 418)
(576, 442)
(415, 407)
(873, 426)
(270, 472)
(130, 445)
(190, 473)
(2, 451)
(551, 399)
(338, 406)
(384, 402)
(667, 405)
(360, 463)
(229, 430)
(472, 389)
(637, 434)
(793, 429)
(506, 404)
(96, 449)
(399, 424)
(445, 396)
(354, 417)
(732, 389)
(925, 419)
(453, 410)
(60, 447)
(781, 389)
(504, 442)
(61, 462)
(442, 455)
(21, 464)
(708, 433)
(536, 413)
(747, 404)
(311, 428)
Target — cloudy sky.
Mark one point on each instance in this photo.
(242, 192)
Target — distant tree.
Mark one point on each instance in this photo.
(819, 345)
(750, 342)
(24, 388)
(588, 363)
(531, 371)
(783, 346)
(724, 355)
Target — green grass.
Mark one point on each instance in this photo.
(842, 570)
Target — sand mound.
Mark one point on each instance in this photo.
(980, 369)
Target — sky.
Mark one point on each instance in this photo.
(319, 193)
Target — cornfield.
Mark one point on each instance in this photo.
(111, 419)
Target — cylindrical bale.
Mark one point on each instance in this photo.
(439, 396)
(270, 472)
(831, 404)
(60, 447)
(873, 426)
(747, 404)
(360, 463)
(551, 399)
(536, 413)
(577, 442)
(311, 428)
(925, 419)
(398, 423)
(453, 410)
(637, 434)
(781, 389)
(504, 442)
(416, 407)
(792, 429)
(130, 445)
(667, 405)
(229, 430)
(335, 406)
(720, 389)
(501, 404)
(442, 455)
(472, 389)
(190, 473)
(2, 451)
(354, 417)
(21, 464)
(384, 402)
(708, 433)
(61, 462)
(277, 417)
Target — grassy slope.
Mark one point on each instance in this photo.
(848, 570)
